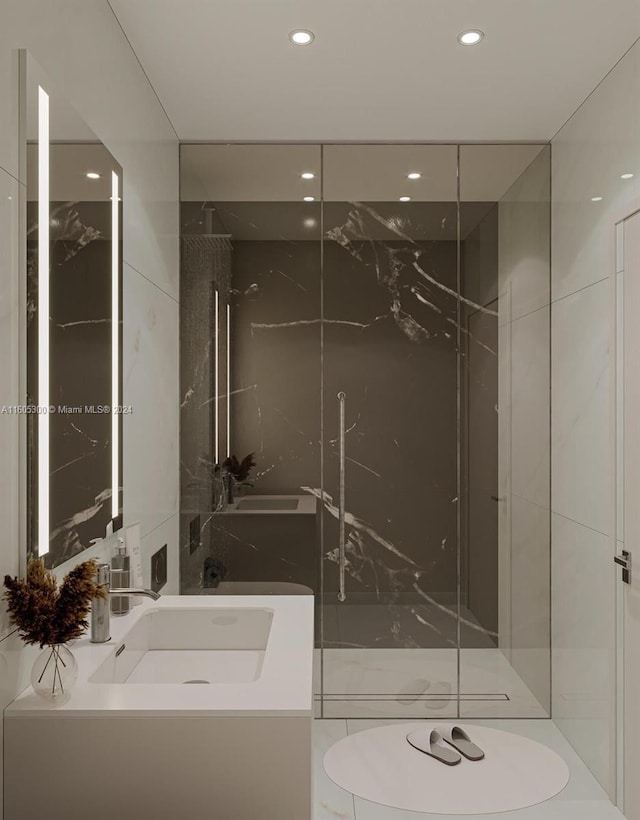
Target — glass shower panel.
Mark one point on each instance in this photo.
(504, 431)
(390, 438)
(250, 365)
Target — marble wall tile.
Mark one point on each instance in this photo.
(591, 152)
(150, 386)
(531, 596)
(151, 212)
(386, 325)
(524, 440)
(524, 240)
(582, 630)
(165, 533)
(580, 407)
(530, 406)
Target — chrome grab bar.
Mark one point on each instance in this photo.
(341, 399)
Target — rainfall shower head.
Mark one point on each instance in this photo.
(208, 241)
(206, 257)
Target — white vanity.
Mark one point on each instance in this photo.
(198, 707)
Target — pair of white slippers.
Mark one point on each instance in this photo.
(432, 742)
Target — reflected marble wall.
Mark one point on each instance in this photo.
(275, 408)
(81, 362)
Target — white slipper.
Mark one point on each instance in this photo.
(430, 743)
(461, 742)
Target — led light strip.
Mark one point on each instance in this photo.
(228, 381)
(216, 397)
(43, 322)
(115, 344)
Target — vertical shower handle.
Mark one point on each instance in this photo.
(342, 396)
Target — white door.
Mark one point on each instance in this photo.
(629, 519)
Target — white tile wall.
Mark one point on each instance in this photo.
(598, 144)
(530, 592)
(582, 632)
(589, 155)
(524, 451)
(524, 240)
(81, 47)
(530, 380)
(150, 433)
(580, 402)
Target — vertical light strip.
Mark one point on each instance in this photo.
(43, 322)
(228, 381)
(115, 344)
(216, 397)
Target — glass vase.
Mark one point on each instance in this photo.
(54, 672)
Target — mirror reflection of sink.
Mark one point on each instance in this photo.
(267, 504)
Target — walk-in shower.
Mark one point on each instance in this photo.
(375, 337)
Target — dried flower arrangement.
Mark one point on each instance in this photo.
(48, 615)
(240, 470)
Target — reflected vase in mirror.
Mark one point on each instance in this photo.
(54, 673)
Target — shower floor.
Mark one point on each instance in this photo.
(406, 683)
(383, 662)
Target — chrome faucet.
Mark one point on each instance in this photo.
(101, 607)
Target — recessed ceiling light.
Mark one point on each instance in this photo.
(414, 175)
(405, 198)
(596, 199)
(308, 175)
(301, 37)
(92, 175)
(310, 223)
(626, 176)
(471, 37)
(309, 198)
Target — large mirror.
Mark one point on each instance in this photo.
(74, 351)
(250, 361)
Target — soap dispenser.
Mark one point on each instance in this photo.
(120, 578)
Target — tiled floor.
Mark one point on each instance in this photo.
(582, 799)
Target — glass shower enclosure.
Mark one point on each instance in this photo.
(369, 324)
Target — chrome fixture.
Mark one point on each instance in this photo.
(101, 609)
(624, 560)
(342, 396)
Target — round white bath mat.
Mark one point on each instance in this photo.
(379, 765)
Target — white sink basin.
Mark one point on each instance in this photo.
(190, 646)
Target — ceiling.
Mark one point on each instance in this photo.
(378, 70)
